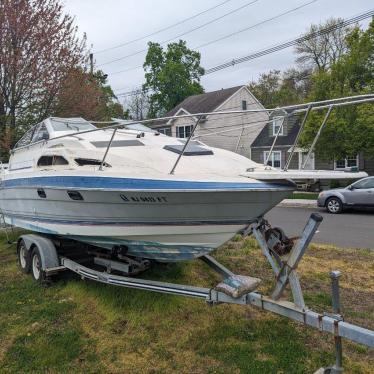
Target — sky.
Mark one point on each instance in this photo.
(111, 23)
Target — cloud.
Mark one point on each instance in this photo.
(112, 22)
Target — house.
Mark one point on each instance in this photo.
(261, 146)
(234, 132)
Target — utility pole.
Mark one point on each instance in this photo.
(91, 64)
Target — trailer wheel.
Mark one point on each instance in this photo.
(23, 255)
(36, 267)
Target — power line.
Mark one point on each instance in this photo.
(290, 43)
(216, 40)
(165, 28)
(257, 24)
(184, 33)
(126, 70)
(281, 46)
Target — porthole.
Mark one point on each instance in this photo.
(75, 195)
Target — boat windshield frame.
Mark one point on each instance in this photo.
(59, 126)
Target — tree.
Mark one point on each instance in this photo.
(38, 49)
(275, 89)
(320, 50)
(350, 130)
(88, 96)
(171, 75)
(138, 105)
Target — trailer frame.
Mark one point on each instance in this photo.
(52, 262)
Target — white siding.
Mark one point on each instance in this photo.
(182, 122)
(243, 126)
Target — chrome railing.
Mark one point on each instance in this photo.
(289, 110)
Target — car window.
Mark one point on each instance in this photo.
(365, 183)
(370, 183)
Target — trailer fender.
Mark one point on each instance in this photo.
(47, 249)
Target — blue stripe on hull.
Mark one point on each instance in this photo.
(133, 184)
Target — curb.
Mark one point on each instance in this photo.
(298, 203)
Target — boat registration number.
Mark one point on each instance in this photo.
(144, 199)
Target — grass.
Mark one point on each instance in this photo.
(305, 195)
(77, 326)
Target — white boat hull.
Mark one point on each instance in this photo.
(177, 223)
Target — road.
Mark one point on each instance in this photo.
(348, 230)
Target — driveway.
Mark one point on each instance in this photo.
(351, 229)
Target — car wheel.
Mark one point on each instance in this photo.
(334, 205)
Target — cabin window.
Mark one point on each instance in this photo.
(274, 160)
(52, 160)
(165, 131)
(348, 162)
(244, 105)
(277, 126)
(90, 162)
(184, 131)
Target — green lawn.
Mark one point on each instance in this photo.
(77, 326)
(305, 195)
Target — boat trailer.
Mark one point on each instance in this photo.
(282, 254)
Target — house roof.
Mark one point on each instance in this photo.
(265, 140)
(203, 103)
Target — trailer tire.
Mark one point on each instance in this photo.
(36, 267)
(23, 255)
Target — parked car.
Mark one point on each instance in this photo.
(358, 194)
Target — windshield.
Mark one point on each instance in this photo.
(71, 125)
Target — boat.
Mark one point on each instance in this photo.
(58, 184)
(150, 195)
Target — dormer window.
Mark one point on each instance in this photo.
(184, 131)
(277, 126)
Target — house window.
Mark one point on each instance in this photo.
(348, 162)
(244, 105)
(274, 160)
(184, 131)
(165, 130)
(277, 123)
